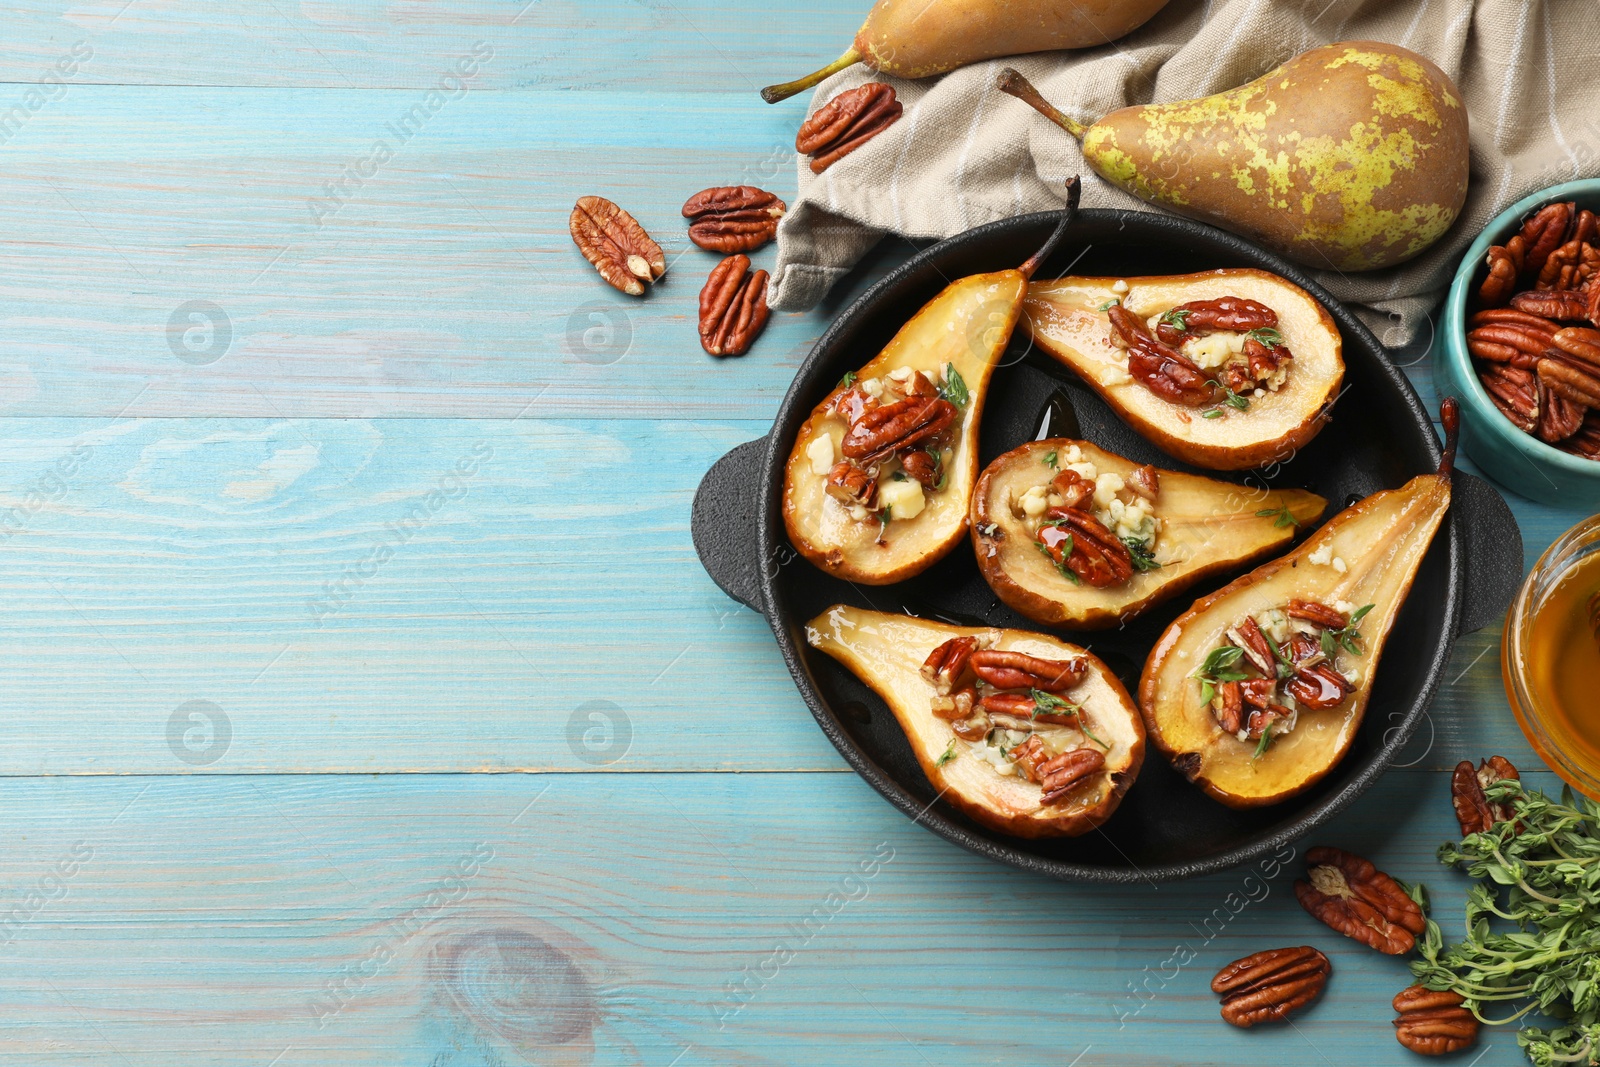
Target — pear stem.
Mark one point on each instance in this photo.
(1012, 82)
(1450, 415)
(1068, 213)
(773, 93)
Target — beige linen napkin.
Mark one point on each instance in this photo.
(965, 153)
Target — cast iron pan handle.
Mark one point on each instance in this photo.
(724, 533)
(1493, 570)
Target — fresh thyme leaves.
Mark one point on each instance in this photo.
(1178, 317)
(1285, 517)
(1051, 704)
(938, 466)
(1267, 336)
(848, 380)
(1266, 739)
(948, 755)
(954, 388)
(883, 523)
(1143, 558)
(1050, 459)
(1109, 304)
(1348, 635)
(1221, 665)
(1211, 413)
(1532, 924)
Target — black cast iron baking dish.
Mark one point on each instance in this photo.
(1379, 436)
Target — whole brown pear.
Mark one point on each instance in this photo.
(921, 38)
(1351, 156)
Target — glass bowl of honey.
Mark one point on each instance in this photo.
(1550, 657)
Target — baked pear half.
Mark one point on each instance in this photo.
(1023, 733)
(1226, 369)
(1256, 692)
(877, 486)
(1069, 534)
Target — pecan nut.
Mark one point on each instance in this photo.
(1353, 897)
(845, 123)
(1517, 399)
(925, 467)
(1314, 612)
(946, 664)
(1018, 670)
(894, 427)
(733, 307)
(1200, 317)
(1081, 543)
(1501, 281)
(616, 244)
(1060, 775)
(1433, 1022)
(1586, 442)
(1573, 382)
(1579, 342)
(1257, 649)
(853, 486)
(1565, 304)
(1560, 269)
(1545, 232)
(1560, 419)
(1473, 810)
(1024, 710)
(1268, 986)
(956, 705)
(733, 218)
(1160, 368)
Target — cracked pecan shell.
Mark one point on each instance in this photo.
(616, 244)
(1361, 902)
(733, 307)
(733, 218)
(1267, 986)
(847, 122)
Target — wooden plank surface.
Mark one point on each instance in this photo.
(624, 919)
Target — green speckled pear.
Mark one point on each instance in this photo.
(1349, 157)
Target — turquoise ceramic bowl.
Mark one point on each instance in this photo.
(1518, 461)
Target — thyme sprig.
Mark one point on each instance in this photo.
(1532, 924)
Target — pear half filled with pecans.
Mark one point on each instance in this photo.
(1256, 692)
(877, 485)
(1225, 369)
(1022, 733)
(1069, 534)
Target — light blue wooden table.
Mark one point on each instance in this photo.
(332, 485)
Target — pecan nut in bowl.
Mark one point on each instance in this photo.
(733, 218)
(1361, 902)
(733, 307)
(1433, 1022)
(1268, 986)
(616, 244)
(847, 122)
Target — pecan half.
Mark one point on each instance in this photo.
(1145, 481)
(1563, 377)
(1201, 317)
(1579, 342)
(1561, 267)
(1473, 810)
(893, 427)
(1433, 1022)
(616, 244)
(853, 486)
(1517, 399)
(1018, 670)
(1257, 649)
(1024, 710)
(845, 123)
(1530, 340)
(957, 705)
(1028, 756)
(1501, 281)
(1545, 232)
(946, 664)
(733, 218)
(1095, 555)
(733, 307)
(1355, 898)
(1564, 304)
(1318, 613)
(1074, 488)
(852, 403)
(1267, 986)
(1490, 316)
(1586, 442)
(1160, 368)
(1060, 775)
(1229, 708)
(1559, 420)
(1318, 686)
